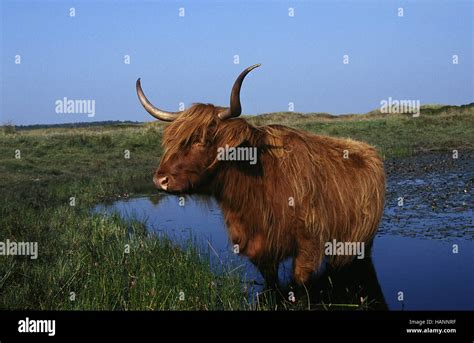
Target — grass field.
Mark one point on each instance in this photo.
(84, 261)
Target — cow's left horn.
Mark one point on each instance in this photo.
(155, 112)
(235, 108)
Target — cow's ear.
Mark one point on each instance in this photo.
(236, 142)
(234, 136)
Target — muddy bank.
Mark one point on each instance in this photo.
(437, 196)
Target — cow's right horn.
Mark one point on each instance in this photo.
(235, 107)
(155, 112)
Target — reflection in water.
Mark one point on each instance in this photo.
(356, 283)
(352, 287)
(430, 276)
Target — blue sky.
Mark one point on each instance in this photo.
(191, 59)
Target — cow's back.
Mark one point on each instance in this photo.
(324, 188)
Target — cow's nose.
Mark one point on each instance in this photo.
(163, 182)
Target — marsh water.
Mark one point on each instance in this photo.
(423, 254)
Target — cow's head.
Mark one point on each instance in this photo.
(192, 140)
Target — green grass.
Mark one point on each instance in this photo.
(82, 252)
(85, 253)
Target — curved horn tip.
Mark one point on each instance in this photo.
(138, 84)
(254, 66)
(235, 108)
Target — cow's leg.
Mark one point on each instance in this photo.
(268, 267)
(368, 248)
(308, 258)
(269, 271)
(238, 237)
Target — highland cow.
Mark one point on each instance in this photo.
(303, 191)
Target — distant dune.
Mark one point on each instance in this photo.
(277, 117)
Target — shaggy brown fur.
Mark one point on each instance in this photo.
(301, 193)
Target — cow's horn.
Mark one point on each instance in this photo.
(235, 108)
(155, 112)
